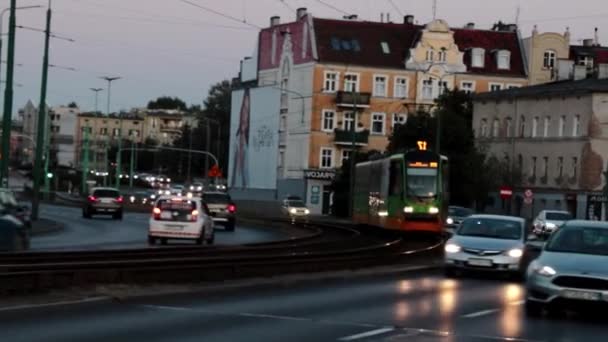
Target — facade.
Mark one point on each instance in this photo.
(544, 51)
(336, 75)
(164, 126)
(63, 122)
(552, 137)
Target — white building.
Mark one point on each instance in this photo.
(63, 123)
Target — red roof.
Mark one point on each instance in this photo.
(402, 37)
(599, 53)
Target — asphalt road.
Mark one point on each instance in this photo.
(102, 232)
(425, 308)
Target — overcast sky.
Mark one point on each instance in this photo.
(167, 47)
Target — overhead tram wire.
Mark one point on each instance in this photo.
(287, 5)
(332, 7)
(219, 13)
(43, 31)
(396, 7)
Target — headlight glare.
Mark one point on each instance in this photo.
(516, 253)
(433, 210)
(452, 248)
(546, 271)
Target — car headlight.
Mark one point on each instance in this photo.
(515, 253)
(452, 248)
(449, 220)
(550, 225)
(433, 210)
(152, 196)
(293, 210)
(306, 211)
(546, 271)
(408, 210)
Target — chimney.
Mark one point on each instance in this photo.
(512, 27)
(408, 19)
(388, 17)
(382, 17)
(587, 42)
(470, 26)
(596, 38)
(300, 13)
(351, 17)
(275, 20)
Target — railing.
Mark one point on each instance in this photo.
(343, 137)
(348, 99)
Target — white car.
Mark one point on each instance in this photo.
(295, 209)
(548, 221)
(176, 217)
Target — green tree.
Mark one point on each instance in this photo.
(72, 105)
(167, 102)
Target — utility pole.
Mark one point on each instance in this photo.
(41, 110)
(105, 161)
(8, 100)
(207, 144)
(118, 156)
(351, 201)
(47, 156)
(96, 90)
(132, 166)
(85, 159)
(189, 172)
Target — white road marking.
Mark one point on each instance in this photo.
(46, 305)
(481, 313)
(366, 334)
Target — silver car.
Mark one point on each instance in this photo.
(572, 269)
(486, 242)
(548, 221)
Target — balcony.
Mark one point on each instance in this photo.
(348, 99)
(343, 137)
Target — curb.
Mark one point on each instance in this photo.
(51, 226)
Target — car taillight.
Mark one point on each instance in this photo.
(156, 213)
(119, 199)
(92, 199)
(232, 208)
(194, 215)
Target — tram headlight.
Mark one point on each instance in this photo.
(433, 210)
(408, 210)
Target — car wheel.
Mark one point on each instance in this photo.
(533, 309)
(151, 240)
(210, 240)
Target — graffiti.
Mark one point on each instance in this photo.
(264, 138)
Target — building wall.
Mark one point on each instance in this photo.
(63, 123)
(535, 47)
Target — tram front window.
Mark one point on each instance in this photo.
(422, 182)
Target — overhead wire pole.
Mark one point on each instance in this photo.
(96, 91)
(118, 157)
(42, 112)
(8, 98)
(351, 202)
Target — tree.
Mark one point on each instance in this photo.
(167, 102)
(72, 105)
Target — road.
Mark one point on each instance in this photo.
(426, 307)
(104, 233)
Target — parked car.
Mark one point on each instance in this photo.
(176, 217)
(9, 202)
(107, 201)
(456, 215)
(14, 235)
(488, 243)
(571, 270)
(222, 208)
(295, 209)
(547, 221)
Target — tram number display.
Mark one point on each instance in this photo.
(432, 165)
(422, 145)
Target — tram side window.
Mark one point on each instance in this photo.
(396, 179)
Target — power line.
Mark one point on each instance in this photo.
(287, 5)
(43, 31)
(219, 13)
(395, 7)
(330, 6)
(564, 18)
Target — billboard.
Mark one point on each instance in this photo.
(254, 138)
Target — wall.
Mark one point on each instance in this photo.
(536, 45)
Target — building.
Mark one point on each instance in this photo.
(164, 126)
(336, 75)
(63, 121)
(543, 53)
(552, 135)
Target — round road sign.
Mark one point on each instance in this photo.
(528, 193)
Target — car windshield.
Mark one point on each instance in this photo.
(106, 193)
(579, 239)
(216, 198)
(460, 212)
(491, 228)
(557, 216)
(296, 204)
(172, 210)
(422, 182)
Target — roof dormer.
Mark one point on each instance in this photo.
(478, 56)
(503, 59)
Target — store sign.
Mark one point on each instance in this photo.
(319, 175)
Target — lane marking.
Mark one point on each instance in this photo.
(366, 334)
(481, 313)
(62, 303)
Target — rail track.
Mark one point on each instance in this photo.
(327, 247)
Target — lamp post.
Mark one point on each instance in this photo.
(118, 157)
(445, 88)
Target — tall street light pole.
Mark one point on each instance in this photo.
(96, 143)
(8, 98)
(41, 113)
(96, 90)
(118, 156)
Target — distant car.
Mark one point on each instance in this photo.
(177, 190)
(176, 217)
(295, 209)
(14, 235)
(487, 242)
(571, 271)
(196, 187)
(106, 201)
(548, 221)
(456, 215)
(222, 208)
(9, 202)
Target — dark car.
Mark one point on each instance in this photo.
(14, 235)
(105, 201)
(456, 215)
(223, 210)
(20, 211)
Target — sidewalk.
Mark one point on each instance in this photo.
(46, 226)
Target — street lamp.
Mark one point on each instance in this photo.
(118, 157)
(442, 91)
(96, 90)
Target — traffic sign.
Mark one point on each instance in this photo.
(528, 200)
(215, 171)
(506, 192)
(528, 193)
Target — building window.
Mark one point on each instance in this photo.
(399, 119)
(351, 82)
(283, 124)
(133, 133)
(349, 121)
(427, 89)
(562, 126)
(503, 59)
(467, 86)
(495, 86)
(400, 91)
(331, 82)
(385, 48)
(560, 166)
(345, 156)
(549, 59)
(115, 132)
(495, 128)
(442, 87)
(328, 120)
(534, 126)
(380, 86)
(55, 129)
(327, 158)
(378, 123)
(442, 56)
(512, 86)
(483, 130)
(576, 126)
(546, 126)
(103, 131)
(545, 167)
(533, 167)
(574, 167)
(281, 160)
(509, 127)
(430, 54)
(478, 57)
(522, 126)
(520, 163)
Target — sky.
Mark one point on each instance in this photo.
(169, 47)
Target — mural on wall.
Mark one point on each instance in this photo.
(239, 171)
